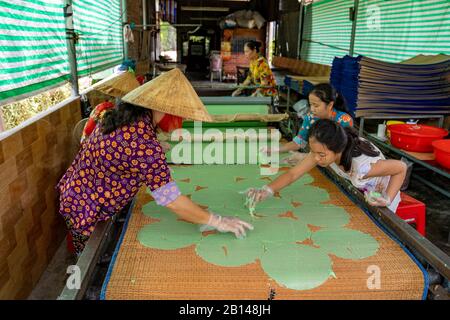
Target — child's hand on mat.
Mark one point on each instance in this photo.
(377, 199)
(227, 224)
(294, 157)
(259, 194)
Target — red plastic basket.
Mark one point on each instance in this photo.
(442, 152)
(415, 137)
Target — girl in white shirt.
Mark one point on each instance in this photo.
(351, 157)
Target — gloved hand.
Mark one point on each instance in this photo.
(259, 194)
(377, 199)
(294, 158)
(227, 224)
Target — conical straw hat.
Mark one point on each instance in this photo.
(170, 93)
(118, 86)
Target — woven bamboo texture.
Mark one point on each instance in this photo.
(302, 67)
(427, 59)
(170, 93)
(143, 67)
(117, 86)
(31, 162)
(96, 97)
(145, 273)
(311, 79)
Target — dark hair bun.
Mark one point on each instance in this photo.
(254, 45)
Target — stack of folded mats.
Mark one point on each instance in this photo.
(371, 87)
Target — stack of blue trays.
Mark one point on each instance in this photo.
(373, 87)
(344, 78)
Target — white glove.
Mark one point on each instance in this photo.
(258, 194)
(227, 224)
(294, 157)
(377, 199)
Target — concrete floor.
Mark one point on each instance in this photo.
(53, 280)
(438, 214)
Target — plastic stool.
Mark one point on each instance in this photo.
(219, 72)
(412, 211)
(215, 64)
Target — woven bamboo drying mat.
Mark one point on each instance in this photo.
(138, 272)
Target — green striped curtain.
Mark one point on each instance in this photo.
(33, 51)
(326, 30)
(99, 24)
(394, 31)
(391, 31)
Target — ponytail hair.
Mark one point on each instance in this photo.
(355, 147)
(326, 93)
(123, 114)
(341, 140)
(254, 45)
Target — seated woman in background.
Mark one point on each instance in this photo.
(325, 103)
(351, 157)
(259, 72)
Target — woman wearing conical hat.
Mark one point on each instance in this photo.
(116, 87)
(123, 153)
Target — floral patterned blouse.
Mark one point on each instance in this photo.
(108, 171)
(260, 74)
